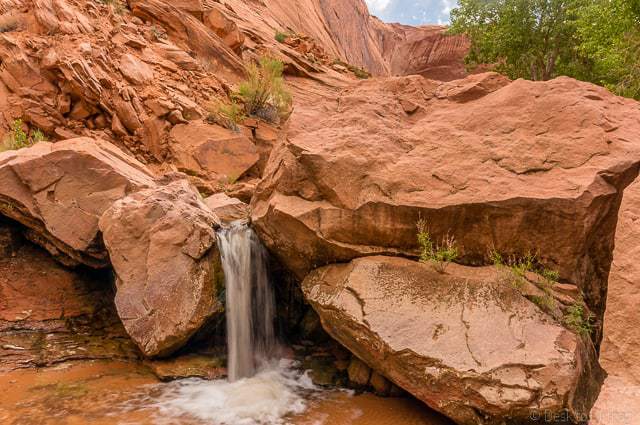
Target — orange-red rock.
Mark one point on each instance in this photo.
(211, 151)
(60, 190)
(465, 343)
(50, 314)
(162, 246)
(515, 167)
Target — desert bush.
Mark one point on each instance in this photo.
(264, 94)
(281, 37)
(38, 136)
(228, 115)
(516, 274)
(360, 73)
(17, 138)
(441, 255)
(579, 319)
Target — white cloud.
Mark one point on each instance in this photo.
(377, 6)
(414, 12)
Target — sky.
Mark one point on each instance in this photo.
(413, 12)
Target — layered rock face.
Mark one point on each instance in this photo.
(516, 167)
(59, 191)
(162, 246)
(88, 203)
(49, 313)
(346, 30)
(619, 402)
(465, 343)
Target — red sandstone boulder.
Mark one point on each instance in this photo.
(212, 151)
(162, 246)
(466, 343)
(227, 209)
(515, 167)
(225, 28)
(59, 191)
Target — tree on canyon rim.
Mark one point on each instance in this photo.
(591, 40)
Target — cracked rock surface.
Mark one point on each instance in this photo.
(465, 343)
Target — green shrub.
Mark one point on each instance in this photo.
(360, 73)
(578, 319)
(228, 115)
(545, 302)
(441, 255)
(281, 37)
(264, 93)
(18, 139)
(38, 136)
(520, 266)
(496, 258)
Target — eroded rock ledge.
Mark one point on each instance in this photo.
(88, 203)
(514, 167)
(465, 343)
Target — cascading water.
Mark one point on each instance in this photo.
(249, 301)
(261, 390)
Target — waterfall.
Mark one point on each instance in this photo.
(250, 305)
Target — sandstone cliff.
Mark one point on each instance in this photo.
(514, 168)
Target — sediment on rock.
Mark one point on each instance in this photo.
(428, 333)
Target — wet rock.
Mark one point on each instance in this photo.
(162, 246)
(50, 314)
(189, 366)
(227, 209)
(381, 385)
(359, 373)
(427, 332)
(60, 190)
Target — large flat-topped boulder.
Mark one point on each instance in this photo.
(59, 191)
(162, 246)
(513, 166)
(466, 343)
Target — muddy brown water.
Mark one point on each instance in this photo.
(107, 392)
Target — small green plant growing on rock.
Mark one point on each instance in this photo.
(228, 115)
(441, 255)
(281, 37)
(38, 136)
(517, 269)
(579, 319)
(264, 93)
(17, 138)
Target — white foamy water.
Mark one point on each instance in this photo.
(250, 304)
(260, 391)
(266, 398)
